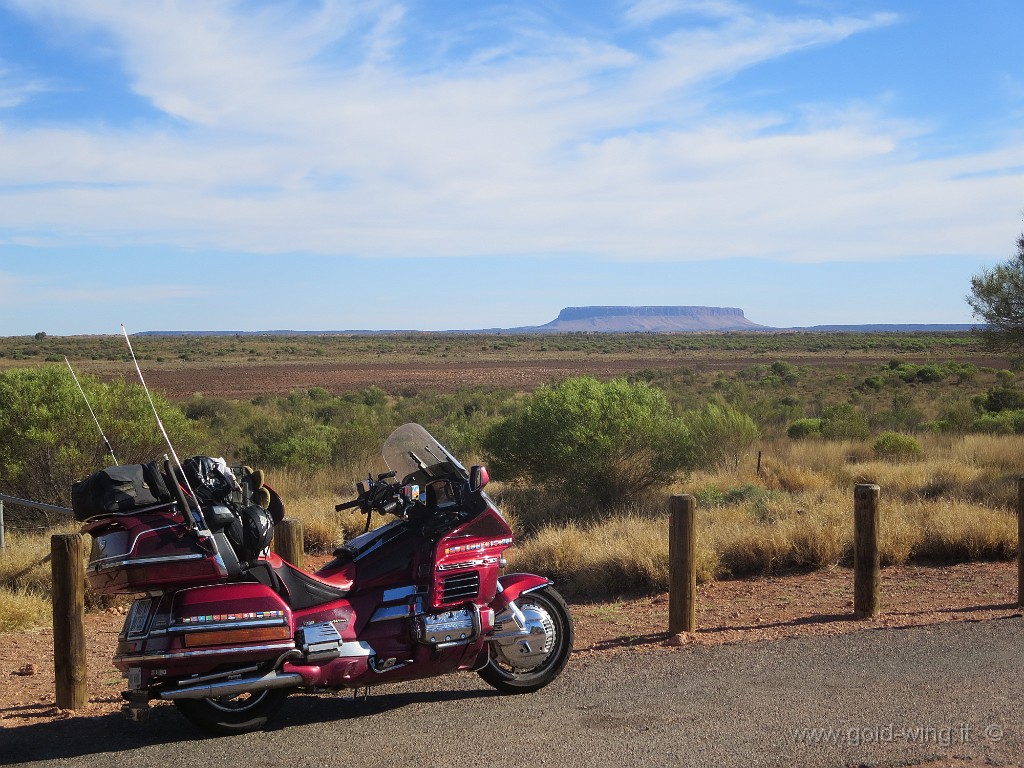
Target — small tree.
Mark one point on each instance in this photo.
(997, 298)
(608, 441)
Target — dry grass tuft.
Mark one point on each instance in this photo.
(957, 503)
(22, 610)
(956, 531)
(335, 483)
(25, 565)
(617, 556)
(323, 529)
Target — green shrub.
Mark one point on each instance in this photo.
(48, 439)
(609, 441)
(1003, 399)
(1002, 423)
(710, 496)
(721, 435)
(844, 422)
(804, 428)
(895, 446)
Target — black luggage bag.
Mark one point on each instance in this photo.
(116, 489)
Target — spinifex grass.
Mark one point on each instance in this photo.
(21, 610)
(954, 504)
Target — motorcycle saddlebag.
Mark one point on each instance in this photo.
(118, 489)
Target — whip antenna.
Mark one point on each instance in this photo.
(106, 442)
(157, 415)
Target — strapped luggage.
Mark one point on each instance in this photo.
(118, 489)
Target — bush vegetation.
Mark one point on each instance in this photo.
(606, 441)
(896, 447)
(581, 466)
(798, 514)
(48, 438)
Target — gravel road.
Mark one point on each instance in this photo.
(883, 696)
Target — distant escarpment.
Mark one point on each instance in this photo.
(648, 320)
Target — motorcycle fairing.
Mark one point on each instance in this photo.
(467, 560)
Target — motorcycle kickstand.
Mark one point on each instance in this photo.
(365, 693)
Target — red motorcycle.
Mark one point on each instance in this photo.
(227, 630)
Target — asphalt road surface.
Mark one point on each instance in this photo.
(872, 697)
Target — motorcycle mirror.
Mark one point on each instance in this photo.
(478, 477)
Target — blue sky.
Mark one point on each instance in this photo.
(434, 164)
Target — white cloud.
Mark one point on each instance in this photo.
(19, 291)
(646, 11)
(314, 130)
(15, 90)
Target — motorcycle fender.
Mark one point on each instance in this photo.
(512, 585)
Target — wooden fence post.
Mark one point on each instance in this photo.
(288, 541)
(1020, 541)
(867, 577)
(67, 552)
(682, 594)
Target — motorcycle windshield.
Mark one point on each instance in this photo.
(414, 455)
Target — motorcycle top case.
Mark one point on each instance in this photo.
(150, 550)
(118, 489)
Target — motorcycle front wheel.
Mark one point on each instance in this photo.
(233, 714)
(504, 672)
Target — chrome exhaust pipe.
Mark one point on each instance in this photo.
(235, 687)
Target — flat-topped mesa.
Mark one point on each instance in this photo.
(649, 319)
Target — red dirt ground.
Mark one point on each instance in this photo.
(817, 603)
(250, 379)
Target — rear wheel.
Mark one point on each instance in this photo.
(242, 713)
(528, 663)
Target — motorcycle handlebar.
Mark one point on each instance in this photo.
(375, 497)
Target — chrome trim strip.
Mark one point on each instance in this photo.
(539, 586)
(398, 593)
(464, 564)
(391, 612)
(138, 536)
(376, 545)
(216, 676)
(227, 625)
(233, 650)
(356, 648)
(104, 565)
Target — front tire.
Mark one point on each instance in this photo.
(233, 714)
(502, 673)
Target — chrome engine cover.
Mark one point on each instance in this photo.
(523, 636)
(447, 628)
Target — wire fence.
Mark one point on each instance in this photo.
(48, 508)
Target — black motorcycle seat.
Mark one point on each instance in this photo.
(297, 587)
(304, 589)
